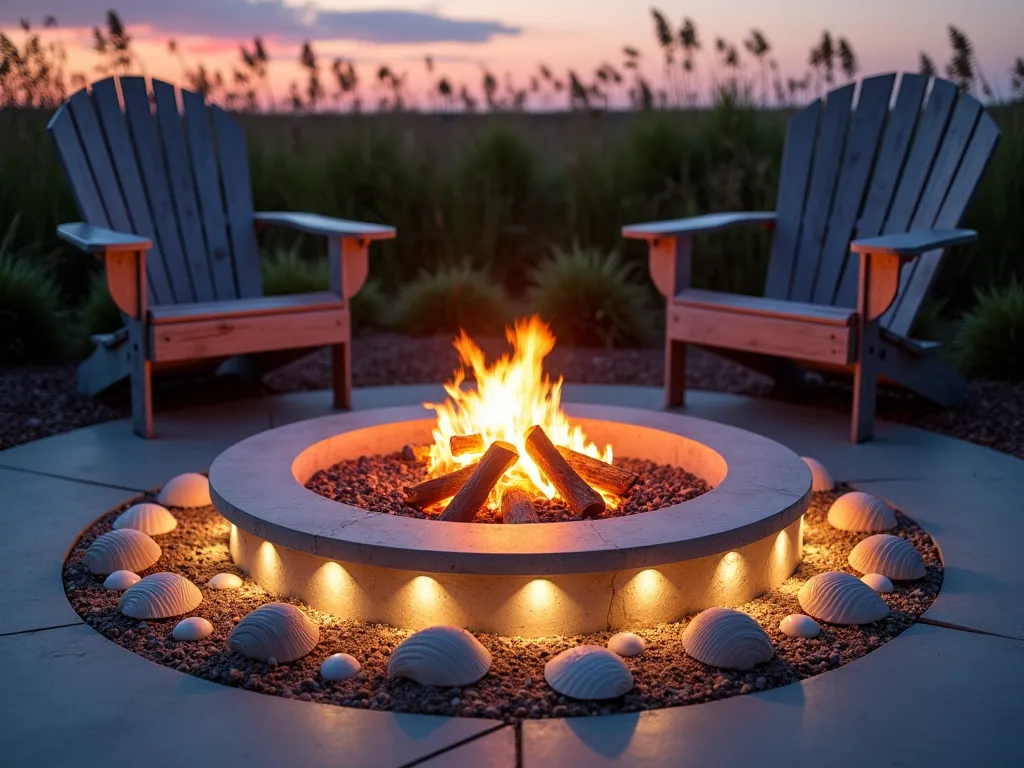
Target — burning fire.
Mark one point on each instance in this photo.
(512, 394)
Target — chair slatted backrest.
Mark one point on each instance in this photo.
(137, 163)
(908, 155)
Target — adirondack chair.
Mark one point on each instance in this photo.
(166, 203)
(869, 197)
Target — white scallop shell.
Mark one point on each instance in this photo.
(821, 478)
(188, 491)
(122, 550)
(889, 556)
(339, 666)
(191, 629)
(626, 644)
(722, 637)
(151, 519)
(840, 598)
(859, 511)
(278, 631)
(798, 625)
(121, 580)
(589, 673)
(224, 581)
(877, 582)
(160, 596)
(442, 655)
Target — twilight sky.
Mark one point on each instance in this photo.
(513, 36)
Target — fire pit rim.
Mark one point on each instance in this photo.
(766, 487)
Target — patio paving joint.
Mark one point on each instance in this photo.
(78, 623)
(455, 745)
(963, 628)
(69, 478)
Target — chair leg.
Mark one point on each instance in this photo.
(675, 373)
(341, 375)
(141, 385)
(865, 385)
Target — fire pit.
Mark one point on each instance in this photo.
(516, 447)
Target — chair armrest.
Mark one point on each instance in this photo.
(698, 225)
(92, 239)
(907, 245)
(315, 224)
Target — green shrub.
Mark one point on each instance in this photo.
(990, 340)
(591, 298)
(285, 271)
(370, 307)
(452, 298)
(31, 326)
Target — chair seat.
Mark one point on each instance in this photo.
(239, 308)
(756, 305)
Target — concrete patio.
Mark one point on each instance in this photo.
(946, 692)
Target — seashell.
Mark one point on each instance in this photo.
(151, 519)
(877, 582)
(722, 637)
(122, 550)
(339, 666)
(191, 629)
(278, 631)
(798, 625)
(840, 598)
(589, 673)
(160, 596)
(442, 655)
(889, 556)
(859, 511)
(188, 491)
(821, 478)
(626, 644)
(224, 581)
(121, 580)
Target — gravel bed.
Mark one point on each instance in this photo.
(378, 483)
(514, 689)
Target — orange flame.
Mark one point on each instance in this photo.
(511, 395)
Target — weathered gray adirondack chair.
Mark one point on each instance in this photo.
(868, 199)
(166, 202)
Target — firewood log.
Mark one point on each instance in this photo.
(600, 474)
(438, 488)
(416, 452)
(461, 444)
(496, 461)
(516, 507)
(580, 497)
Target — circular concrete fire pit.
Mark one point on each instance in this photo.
(722, 548)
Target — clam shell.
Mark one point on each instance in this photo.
(889, 556)
(862, 512)
(798, 625)
(278, 631)
(626, 644)
(441, 655)
(224, 581)
(191, 629)
(121, 580)
(821, 478)
(722, 637)
(122, 550)
(877, 582)
(339, 666)
(589, 673)
(187, 491)
(151, 519)
(160, 596)
(840, 598)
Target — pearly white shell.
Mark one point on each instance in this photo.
(626, 644)
(151, 519)
(278, 631)
(191, 629)
(821, 478)
(877, 582)
(121, 580)
(722, 637)
(441, 655)
(122, 550)
(189, 490)
(339, 666)
(840, 598)
(224, 581)
(589, 673)
(160, 596)
(798, 625)
(889, 556)
(859, 511)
